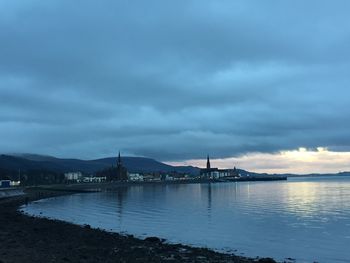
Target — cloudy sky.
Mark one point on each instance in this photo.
(261, 84)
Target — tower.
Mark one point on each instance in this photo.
(119, 161)
(208, 162)
(121, 173)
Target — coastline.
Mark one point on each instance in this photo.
(106, 186)
(32, 239)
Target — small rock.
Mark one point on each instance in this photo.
(153, 239)
(267, 260)
(183, 250)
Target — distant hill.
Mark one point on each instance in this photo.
(133, 164)
(10, 164)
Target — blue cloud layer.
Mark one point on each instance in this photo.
(173, 80)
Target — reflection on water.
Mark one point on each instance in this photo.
(305, 218)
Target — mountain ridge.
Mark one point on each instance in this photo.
(11, 164)
(62, 165)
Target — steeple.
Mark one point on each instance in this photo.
(208, 162)
(119, 159)
(121, 173)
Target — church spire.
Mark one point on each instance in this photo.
(119, 159)
(208, 162)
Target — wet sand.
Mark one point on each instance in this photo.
(29, 239)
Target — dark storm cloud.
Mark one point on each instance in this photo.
(173, 79)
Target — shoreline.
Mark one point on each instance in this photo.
(33, 239)
(96, 187)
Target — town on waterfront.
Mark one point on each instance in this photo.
(174, 131)
(117, 181)
(20, 176)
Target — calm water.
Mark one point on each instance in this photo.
(306, 218)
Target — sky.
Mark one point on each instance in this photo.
(263, 85)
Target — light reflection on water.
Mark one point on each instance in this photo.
(305, 218)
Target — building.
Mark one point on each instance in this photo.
(93, 179)
(166, 177)
(15, 183)
(216, 173)
(121, 171)
(73, 176)
(135, 177)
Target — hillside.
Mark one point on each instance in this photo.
(10, 165)
(133, 164)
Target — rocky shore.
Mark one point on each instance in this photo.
(29, 239)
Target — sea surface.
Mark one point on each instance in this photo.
(307, 219)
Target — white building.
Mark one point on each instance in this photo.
(92, 179)
(135, 177)
(73, 176)
(15, 183)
